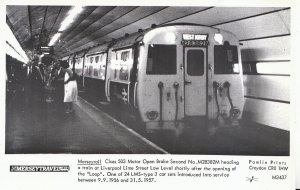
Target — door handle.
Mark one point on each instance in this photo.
(187, 82)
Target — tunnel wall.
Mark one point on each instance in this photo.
(265, 39)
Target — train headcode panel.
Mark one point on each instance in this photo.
(195, 40)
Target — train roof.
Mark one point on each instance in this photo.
(98, 49)
(79, 54)
(129, 40)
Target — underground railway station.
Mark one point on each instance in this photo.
(147, 80)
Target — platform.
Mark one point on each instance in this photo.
(87, 130)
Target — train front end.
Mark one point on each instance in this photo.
(189, 73)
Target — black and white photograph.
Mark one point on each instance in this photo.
(202, 80)
(125, 94)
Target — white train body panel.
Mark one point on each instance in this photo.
(195, 96)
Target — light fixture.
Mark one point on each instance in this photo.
(14, 47)
(54, 39)
(66, 23)
(218, 38)
(170, 38)
(70, 18)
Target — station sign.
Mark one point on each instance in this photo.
(195, 40)
(45, 50)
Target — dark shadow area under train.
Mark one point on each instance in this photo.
(195, 138)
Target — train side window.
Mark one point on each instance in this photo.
(226, 59)
(124, 72)
(195, 62)
(125, 55)
(124, 65)
(117, 55)
(102, 66)
(97, 59)
(90, 69)
(95, 69)
(161, 59)
(121, 65)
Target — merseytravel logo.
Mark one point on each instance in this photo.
(39, 168)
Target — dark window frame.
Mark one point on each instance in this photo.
(222, 67)
(97, 58)
(122, 55)
(201, 64)
(158, 56)
(91, 59)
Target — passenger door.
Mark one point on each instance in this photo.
(195, 81)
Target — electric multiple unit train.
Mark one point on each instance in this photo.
(168, 74)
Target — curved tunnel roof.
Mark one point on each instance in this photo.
(34, 26)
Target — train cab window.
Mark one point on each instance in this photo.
(91, 59)
(195, 62)
(161, 59)
(226, 59)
